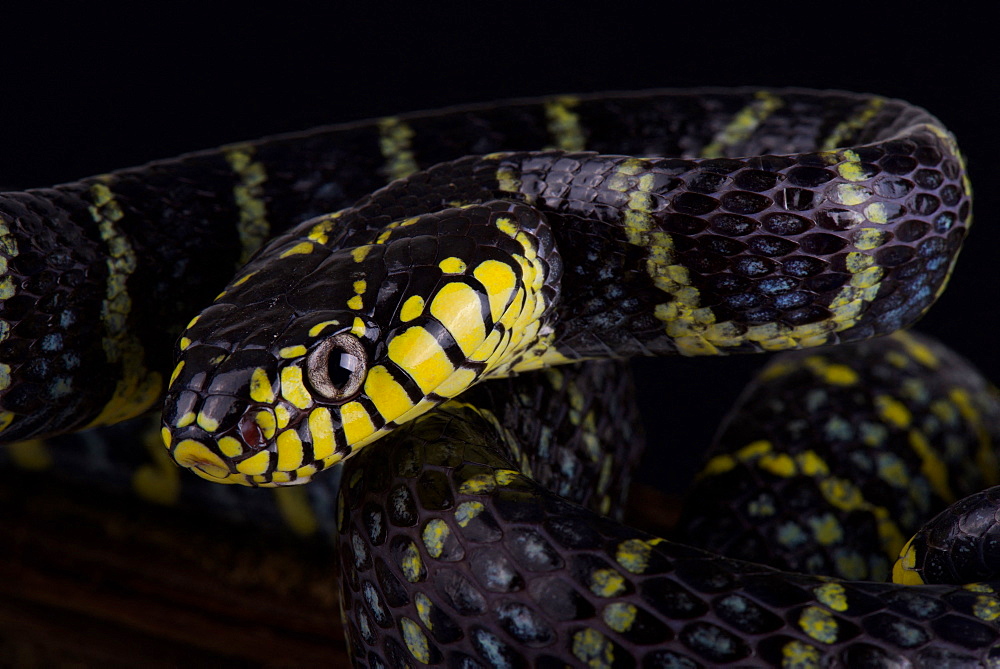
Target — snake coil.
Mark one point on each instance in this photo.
(778, 220)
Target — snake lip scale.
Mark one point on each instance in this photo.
(426, 302)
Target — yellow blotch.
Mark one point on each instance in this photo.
(931, 466)
(413, 307)
(607, 583)
(893, 411)
(867, 239)
(619, 617)
(920, 352)
(826, 529)
(499, 280)
(507, 225)
(183, 343)
(458, 307)
(779, 464)
(389, 397)
(293, 389)
(718, 464)
(231, 447)
(356, 421)
(186, 419)
(282, 414)
(754, 449)
(321, 433)
(840, 375)
(267, 423)
(356, 303)
(593, 648)
(319, 327)
(415, 640)
(292, 351)
(243, 279)
(260, 387)
(904, 570)
(361, 252)
(452, 265)
(410, 564)
(419, 353)
(987, 608)
(290, 454)
(812, 464)
(832, 595)
(298, 249)
(207, 423)
(358, 328)
(176, 373)
(633, 554)
(193, 454)
(467, 511)
(818, 624)
(435, 533)
(255, 465)
(456, 383)
(799, 655)
(360, 286)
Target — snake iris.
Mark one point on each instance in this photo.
(778, 220)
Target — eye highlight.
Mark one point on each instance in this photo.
(337, 367)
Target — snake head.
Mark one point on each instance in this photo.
(314, 352)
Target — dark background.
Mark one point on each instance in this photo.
(99, 86)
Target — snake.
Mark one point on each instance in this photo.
(442, 340)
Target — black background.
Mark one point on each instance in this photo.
(102, 86)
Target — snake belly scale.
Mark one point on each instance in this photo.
(780, 219)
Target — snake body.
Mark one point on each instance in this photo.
(480, 268)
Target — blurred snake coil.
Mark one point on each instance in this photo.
(439, 307)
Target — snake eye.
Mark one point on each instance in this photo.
(337, 367)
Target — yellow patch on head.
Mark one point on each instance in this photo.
(361, 252)
(290, 453)
(499, 280)
(458, 307)
(298, 249)
(452, 265)
(356, 421)
(267, 423)
(321, 433)
(419, 353)
(255, 465)
(293, 389)
(319, 327)
(260, 387)
(292, 351)
(412, 307)
(231, 447)
(195, 455)
(389, 397)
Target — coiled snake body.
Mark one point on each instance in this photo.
(348, 327)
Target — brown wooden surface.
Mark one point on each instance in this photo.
(89, 581)
(85, 582)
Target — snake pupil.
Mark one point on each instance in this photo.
(337, 367)
(342, 368)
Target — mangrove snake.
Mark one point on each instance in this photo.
(782, 219)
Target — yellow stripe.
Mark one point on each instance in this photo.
(395, 144)
(138, 388)
(743, 124)
(564, 124)
(253, 227)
